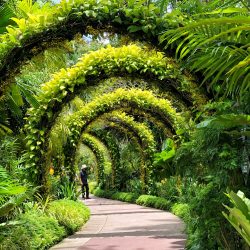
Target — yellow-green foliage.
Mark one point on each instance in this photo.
(157, 121)
(52, 18)
(128, 59)
(182, 210)
(142, 99)
(33, 230)
(104, 62)
(110, 61)
(136, 15)
(143, 132)
(100, 152)
(154, 201)
(78, 121)
(70, 214)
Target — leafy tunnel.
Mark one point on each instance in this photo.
(152, 95)
(65, 84)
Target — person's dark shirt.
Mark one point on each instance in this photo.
(84, 177)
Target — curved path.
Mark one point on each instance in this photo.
(116, 225)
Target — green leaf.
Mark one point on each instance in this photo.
(134, 28)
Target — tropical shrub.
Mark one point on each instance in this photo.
(168, 188)
(239, 215)
(134, 186)
(32, 231)
(69, 214)
(216, 153)
(12, 194)
(126, 197)
(154, 201)
(144, 200)
(182, 210)
(206, 226)
(103, 193)
(68, 190)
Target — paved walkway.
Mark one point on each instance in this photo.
(116, 225)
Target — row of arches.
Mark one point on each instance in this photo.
(78, 122)
(102, 64)
(131, 60)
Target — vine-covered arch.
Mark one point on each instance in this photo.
(78, 121)
(108, 139)
(102, 64)
(111, 126)
(105, 62)
(69, 17)
(149, 117)
(137, 98)
(141, 131)
(99, 150)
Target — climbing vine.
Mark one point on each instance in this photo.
(135, 139)
(142, 132)
(106, 62)
(152, 118)
(99, 150)
(108, 139)
(77, 122)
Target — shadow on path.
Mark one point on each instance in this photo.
(116, 225)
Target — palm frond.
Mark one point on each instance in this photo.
(5, 14)
(28, 93)
(218, 47)
(14, 107)
(228, 64)
(4, 130)
(209, 30)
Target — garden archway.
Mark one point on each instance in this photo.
(142, 132)
(102, 64)
(99, 150)
(141, 99)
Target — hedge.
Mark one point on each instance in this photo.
(36, 230)
(70, 214)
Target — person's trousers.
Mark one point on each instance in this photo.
(85, 187)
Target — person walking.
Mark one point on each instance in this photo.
(84, 180)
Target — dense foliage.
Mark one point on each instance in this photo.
(38, 229)
(35, 231)
(70, 214)
(95, 82)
